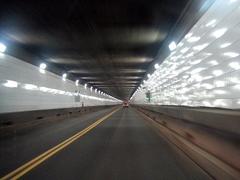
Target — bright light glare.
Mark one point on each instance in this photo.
(219, 83)
(42, 66)
(193, 39)
(64, 76)
(188, 35)
(211, 23)
(200, 47)
(76, 82)
(2, 47)
(10, 84)
(172, 46)
(156, 66)
(217, 72)
(213, 62)
(218, 33)
(30, 87)
(85, 86)
(231, 54)
(184, 50)
(224, 45)
(234, 65)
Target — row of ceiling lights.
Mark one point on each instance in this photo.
(42, 69)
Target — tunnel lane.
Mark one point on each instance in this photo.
(123, 147)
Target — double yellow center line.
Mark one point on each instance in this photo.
(44, 156)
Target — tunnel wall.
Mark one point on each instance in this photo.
(38, 91)
(210, 137)
(204, 68)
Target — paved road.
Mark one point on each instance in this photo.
(120, 148)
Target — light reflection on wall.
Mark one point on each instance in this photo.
(32, 87)
(204, 68)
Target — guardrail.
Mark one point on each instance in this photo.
(205, 135)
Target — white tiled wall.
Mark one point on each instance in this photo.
(14, 99)
(204, 69)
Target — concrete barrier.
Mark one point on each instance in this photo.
(20, 121)
(219, 144)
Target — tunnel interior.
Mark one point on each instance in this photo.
(120, 89)
(107, 44)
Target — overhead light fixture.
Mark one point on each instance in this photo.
(220, 32)
(77, 82)
(211, 23)
(156, 66)
(231, 54)
(219, 83)
(224, 45)
(30, 87)
(10, 84)
(188, 35)
(200, 47)
(180, 44)
(172, 46)
(217, 72)
(184, 50)
(2, 47)
(193, 39)
(42, 68)
(235, 65)
(64, 76)
(213, 62)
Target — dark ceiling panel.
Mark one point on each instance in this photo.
(108, 44)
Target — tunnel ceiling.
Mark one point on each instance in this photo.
(108, 44)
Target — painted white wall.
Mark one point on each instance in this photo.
(15, 99)
(204, 69)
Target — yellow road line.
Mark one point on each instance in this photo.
(44, 156)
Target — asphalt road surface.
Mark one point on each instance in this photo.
(122, 147)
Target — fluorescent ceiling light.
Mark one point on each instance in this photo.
(2, 47)
(219, 83)
(200, 47)
(235, 65)
(30, 87)
(224, 45)
(172, 46)
(217, 72)
(193, 39)
(76, 82)
(64, 76)
(180, 44)
(231, 54)
(184, 50)
(218, 91)
(218, 33)
(10, 84)
(156, 66)
(42, 66)
(188, 35)
(211, 23)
